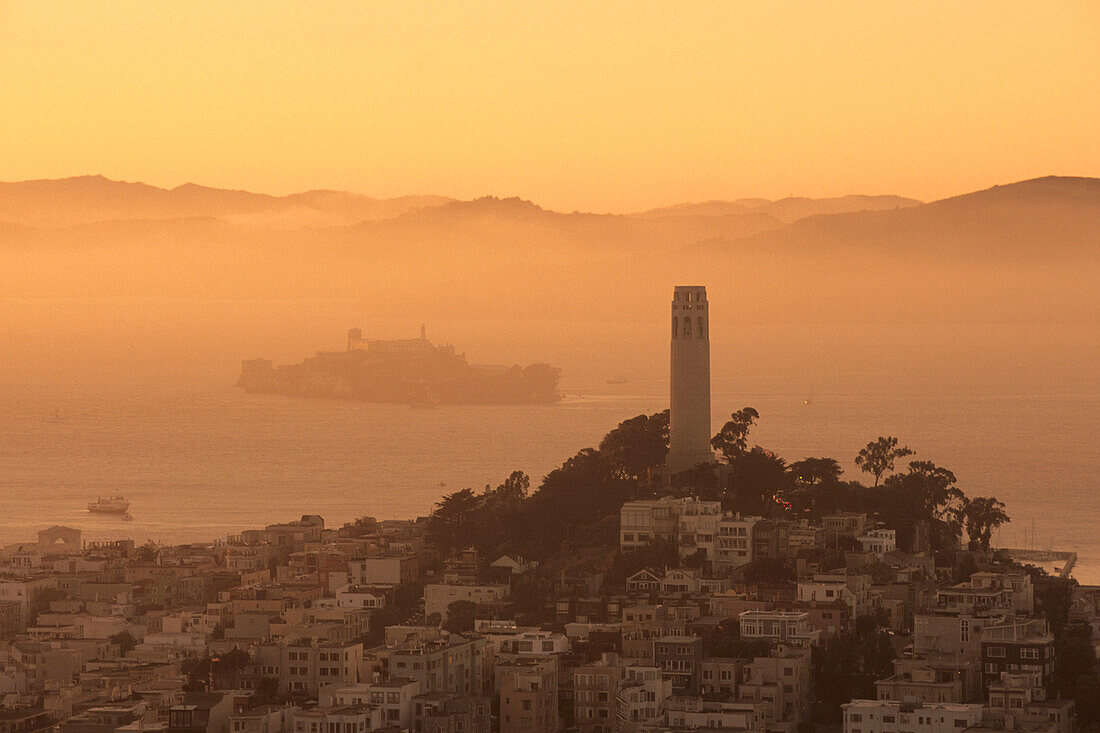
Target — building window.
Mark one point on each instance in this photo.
(687, 327)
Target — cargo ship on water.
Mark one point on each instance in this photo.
(413, 371)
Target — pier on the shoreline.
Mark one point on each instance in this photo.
(1061, 562)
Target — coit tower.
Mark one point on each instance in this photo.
(689, 384)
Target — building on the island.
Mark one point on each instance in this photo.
(894, 716)
(689, 381)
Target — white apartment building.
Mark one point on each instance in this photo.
(733, 544)
(781, 682)
(346, 719)
(688, 522)
(697, 526)
(694, 712)
(855, 590)
(787, 627)
(642, 697)
(879, 542)
(393, 697)
(893, 716)
(354, 596)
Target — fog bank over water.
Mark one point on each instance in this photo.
(154, 344)
(967, 327)
(144, 390)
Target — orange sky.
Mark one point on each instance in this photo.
(613, 105)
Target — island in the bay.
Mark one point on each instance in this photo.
(405, 371)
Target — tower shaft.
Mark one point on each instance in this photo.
(689, 382)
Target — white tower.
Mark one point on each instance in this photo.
(689, 384)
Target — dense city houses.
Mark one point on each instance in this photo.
(738, 594)
(299, 628)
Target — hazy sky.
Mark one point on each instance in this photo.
(611, 105)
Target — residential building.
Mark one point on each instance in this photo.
(786, 627)
(894, 716)
(734, 542)
(641, 698)
(393, 697)
(879, 542)
(450, 664)
(338, 719)
(438, 596)
(680, 658)
(594, 689)
(692, 713)
(781, 682)
(529, 699)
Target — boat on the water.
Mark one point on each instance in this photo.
(617, 380)
(109, 505)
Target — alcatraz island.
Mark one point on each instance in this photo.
(405, 371)
(664, 581)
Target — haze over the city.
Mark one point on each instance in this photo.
(894, 210)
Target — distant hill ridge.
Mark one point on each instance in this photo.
(1026, 250)
(94, 198)
(87, 199)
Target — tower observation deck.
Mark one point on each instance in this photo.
(689, 382)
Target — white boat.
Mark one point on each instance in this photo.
(110, 505)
